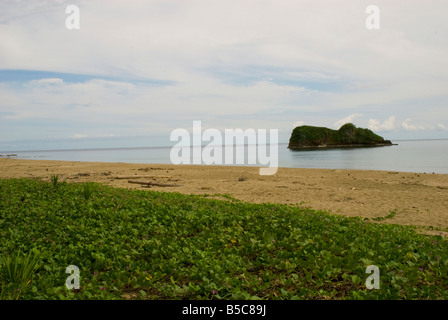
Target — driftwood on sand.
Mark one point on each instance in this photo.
(148, 184)
(138, 177)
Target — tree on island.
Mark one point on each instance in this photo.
(347, 136)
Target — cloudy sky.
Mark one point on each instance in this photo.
(145, 68)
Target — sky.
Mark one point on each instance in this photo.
(136, 70)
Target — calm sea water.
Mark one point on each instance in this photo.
(409, 155)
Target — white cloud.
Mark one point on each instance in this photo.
(47, 81)
(311, 75)
(108, 135)
(347, 119)
(408, 126)
(442, 126)
(79, 136)
(387, 125)
(298, 124)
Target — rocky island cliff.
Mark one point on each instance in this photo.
(348, 136)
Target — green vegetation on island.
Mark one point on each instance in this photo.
(138, 244)
(347, 136)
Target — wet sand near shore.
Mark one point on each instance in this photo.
(419, 199)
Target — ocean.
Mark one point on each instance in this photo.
(423, 156)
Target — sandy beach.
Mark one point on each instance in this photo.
(418, 199)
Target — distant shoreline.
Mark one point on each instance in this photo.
(165, 147)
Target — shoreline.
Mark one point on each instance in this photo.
(340, 146)
(418, 199)
(221, 165)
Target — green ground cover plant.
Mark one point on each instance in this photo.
(139, 244)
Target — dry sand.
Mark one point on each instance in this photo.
(419, 199)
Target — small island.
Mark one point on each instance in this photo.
(348, 136)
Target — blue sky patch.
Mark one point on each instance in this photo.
(309, 79)
(12, 75)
